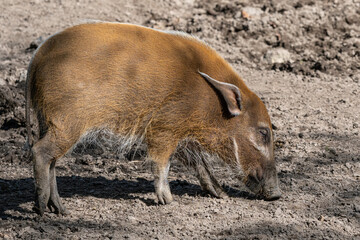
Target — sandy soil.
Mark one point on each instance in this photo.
(301, 57)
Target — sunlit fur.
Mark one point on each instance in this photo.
(142, 86)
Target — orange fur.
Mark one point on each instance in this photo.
(140, 82)
(130, 79)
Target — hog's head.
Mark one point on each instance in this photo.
(252, 138)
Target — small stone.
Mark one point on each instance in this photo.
(347, 228)
(238, 14)
(352, 19)
(132, 220)
(278, 212)
(277, 55)
(357, 207)
(272, 40)
(348, 165)
(96, 170)
(332, 151)
(245, 14)
(6, 237)
(251, 12)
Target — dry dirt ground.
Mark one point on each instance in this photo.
(301, 57)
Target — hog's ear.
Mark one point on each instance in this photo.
(230, 93)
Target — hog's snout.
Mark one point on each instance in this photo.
(265, 185)
(272, 194)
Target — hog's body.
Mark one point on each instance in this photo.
(145, 84)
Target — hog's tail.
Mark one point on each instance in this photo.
(29, 140)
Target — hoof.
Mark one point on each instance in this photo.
(274, 195)
(165, 198)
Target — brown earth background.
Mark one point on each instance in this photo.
(301, 57)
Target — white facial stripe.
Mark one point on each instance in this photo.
(261, 148)
(263, 124)
(236, 148)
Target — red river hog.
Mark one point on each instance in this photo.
(167, 90)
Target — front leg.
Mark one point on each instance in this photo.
(160, 149)
(208, 182)
(161, 182)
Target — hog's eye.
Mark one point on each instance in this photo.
(265, 134)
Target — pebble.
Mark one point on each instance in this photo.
(252, 12)
(278, 55)
(278, 212)
(357, 207)
(132, 220)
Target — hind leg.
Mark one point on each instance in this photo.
(54, 203)
(41, 176)
(45, 153)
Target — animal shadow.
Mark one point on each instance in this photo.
(14, 193)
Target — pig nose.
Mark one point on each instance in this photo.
(275, 194)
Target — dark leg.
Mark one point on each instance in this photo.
(45, 153)
(191, 156)
(54, 203)
(42, 154)
(208, 182)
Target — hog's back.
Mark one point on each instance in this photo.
(121, 76)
